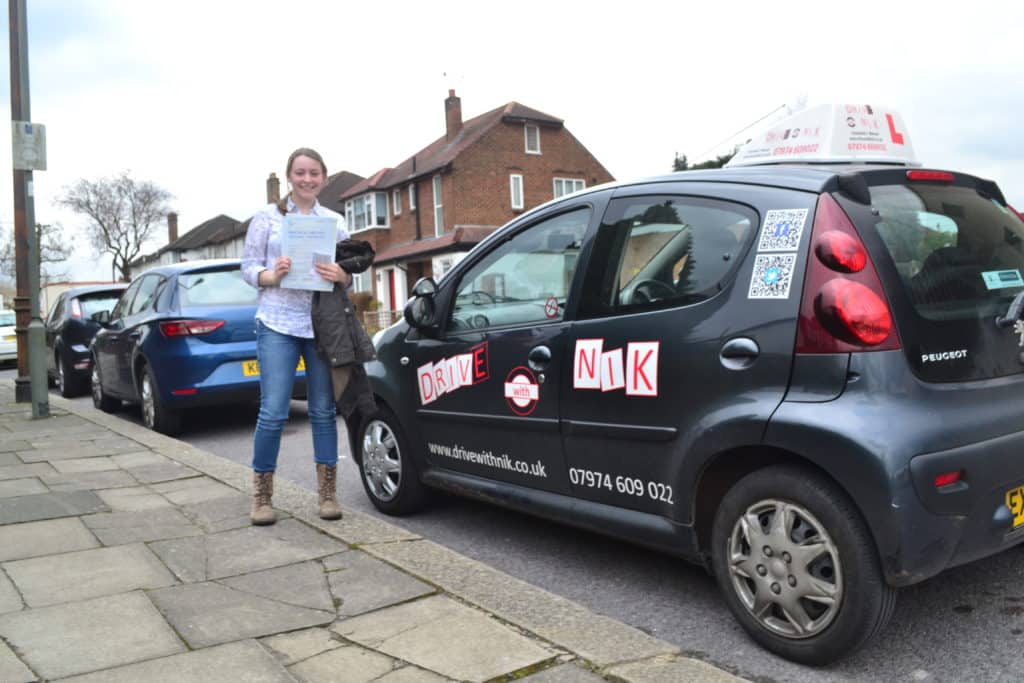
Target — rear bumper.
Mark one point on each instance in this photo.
(976, 506)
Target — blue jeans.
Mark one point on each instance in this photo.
(278, 354)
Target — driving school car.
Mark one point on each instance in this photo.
(804, 375)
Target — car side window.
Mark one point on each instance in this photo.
(146, 295)
(57, 312)
(525, 279)
(121, 309)
(664, 251)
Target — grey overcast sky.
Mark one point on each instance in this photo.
(208, 97)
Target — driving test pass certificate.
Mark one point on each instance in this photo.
(307, 240)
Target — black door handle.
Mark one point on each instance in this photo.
(539, 358)
(739, 353)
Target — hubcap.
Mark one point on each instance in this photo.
(382, 461)
(148, 406)
(785, 569)
(60, 374)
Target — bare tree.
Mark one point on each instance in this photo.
(122, 212)
(54, 248)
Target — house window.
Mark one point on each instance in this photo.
(361, 282)
(396, 202)
(532, 139)
(516, 187)
(412, 196)
(381, 214)
(368, 211)
(565, 186)
(438, 210)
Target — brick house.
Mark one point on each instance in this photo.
(425, 214)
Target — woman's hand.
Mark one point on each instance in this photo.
(273, 277)
(332, 272)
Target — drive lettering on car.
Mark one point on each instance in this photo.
(448, 374)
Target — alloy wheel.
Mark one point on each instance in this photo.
(382, 461)
(785, 569)
(148, 402)
(94, 380)
(61, 379)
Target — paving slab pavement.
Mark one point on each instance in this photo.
(126, 555)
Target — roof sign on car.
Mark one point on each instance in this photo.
(832, 133)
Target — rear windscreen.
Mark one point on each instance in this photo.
(94, 303)
(214, 288)
(958, 253)
(959, 258)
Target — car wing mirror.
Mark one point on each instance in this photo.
(425, 286)
(102, 317)
(420, 311)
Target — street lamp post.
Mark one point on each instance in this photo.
(28, 153)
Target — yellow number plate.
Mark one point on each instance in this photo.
(251, 368)
(1015, 501)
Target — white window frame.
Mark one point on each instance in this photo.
(369, 206)
(438, 192)
(576, 184)
(515, 186)
(396, 202)
(412, 196)
(526, 138)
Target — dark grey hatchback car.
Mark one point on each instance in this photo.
(806, 377)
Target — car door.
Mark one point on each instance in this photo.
(681, 350)
(122, 341)
(52, 327)
(488, 390)
(108, 341)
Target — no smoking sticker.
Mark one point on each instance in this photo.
(551, 307)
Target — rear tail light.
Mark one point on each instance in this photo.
(76, 309)
(932, 176)
(184, 328)
(843, 307)
(947, 478)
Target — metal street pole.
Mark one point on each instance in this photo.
(29, 328)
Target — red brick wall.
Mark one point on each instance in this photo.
(478, 192)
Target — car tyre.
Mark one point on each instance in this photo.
(99, 398)
(390, 478)
(155, 414)
(69, 384)
(797, 566)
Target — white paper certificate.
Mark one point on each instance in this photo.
(308, 240)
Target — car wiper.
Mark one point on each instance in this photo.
(1013, 313)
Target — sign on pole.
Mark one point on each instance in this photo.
(29, 146)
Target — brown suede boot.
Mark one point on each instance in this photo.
(326, 477)
(262, 491)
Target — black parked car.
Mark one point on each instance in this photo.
(806, 377)
(70, 328)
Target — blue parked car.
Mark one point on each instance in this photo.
(181, 336)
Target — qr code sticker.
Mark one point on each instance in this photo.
(772, 276)
(782, 230)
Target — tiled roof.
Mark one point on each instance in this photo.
(465, 237)
(338, 184)
(442, 152)
(215, 230)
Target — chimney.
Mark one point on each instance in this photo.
(172, 227)
(452, 116)
(273, 189)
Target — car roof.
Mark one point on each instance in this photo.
(806, 177)
(189, 266)
(89, 289)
